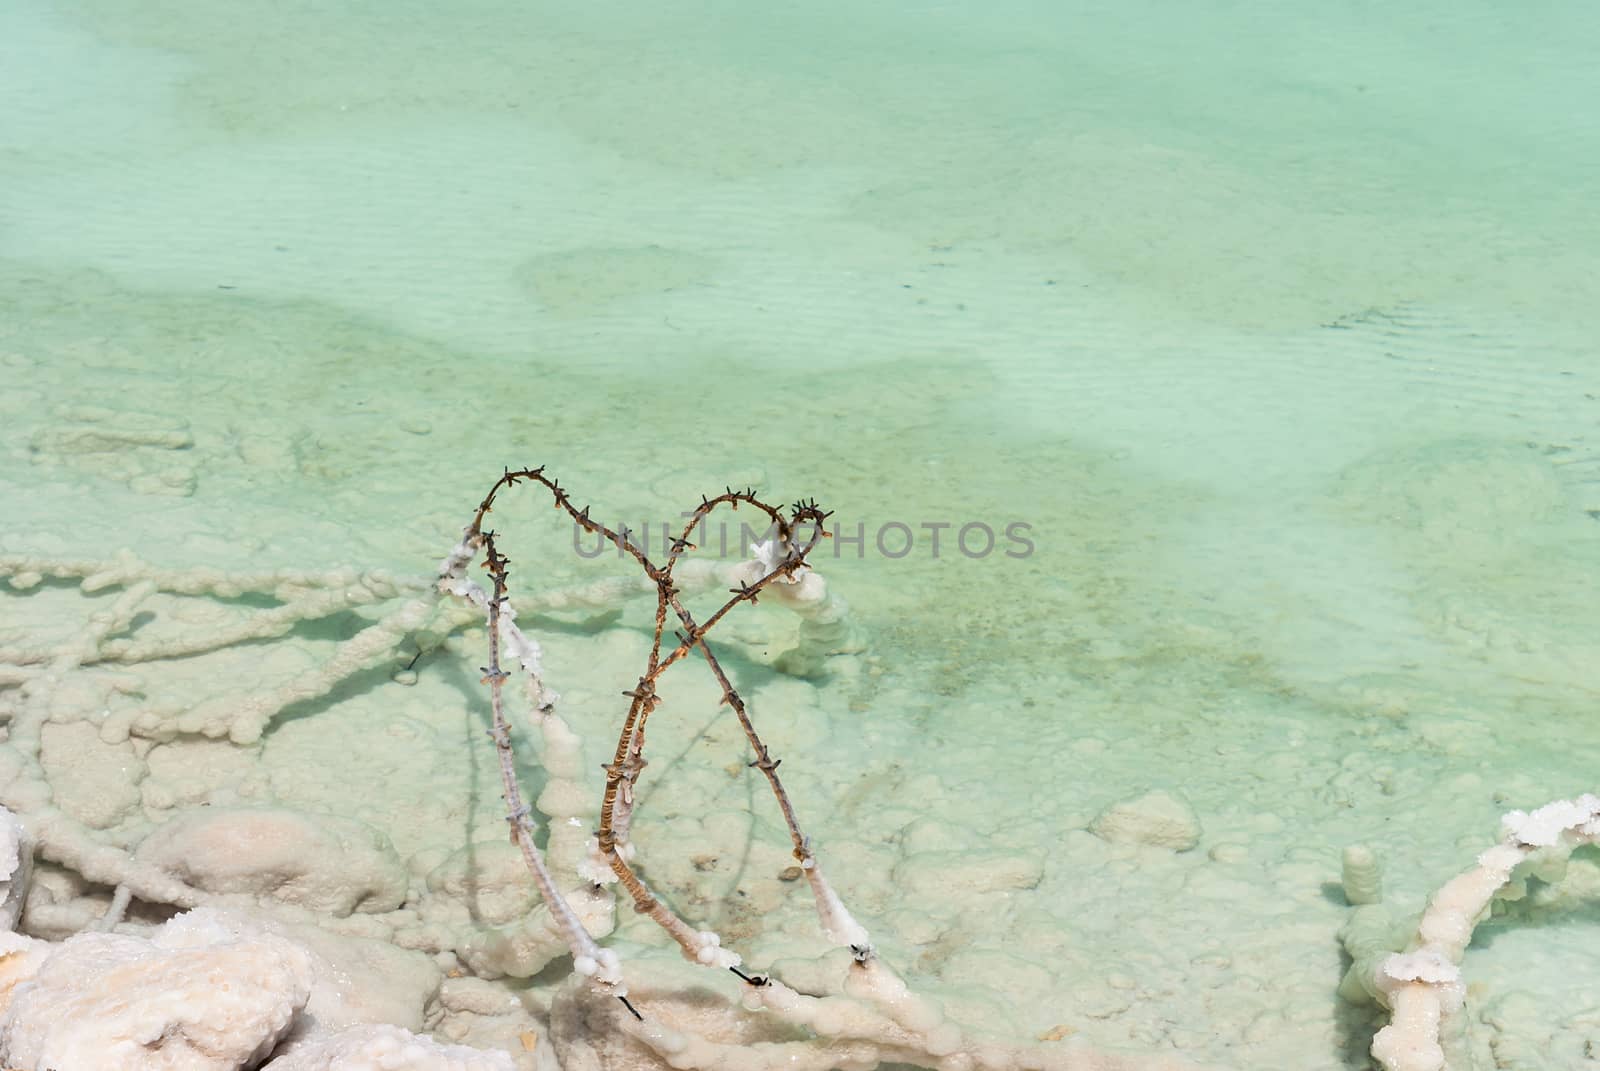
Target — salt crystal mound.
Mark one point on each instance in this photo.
(1156, 819)
(198, 996)
(387, 1048)
(325, 863)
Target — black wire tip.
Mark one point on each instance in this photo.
(631, 1009)
(756, 980)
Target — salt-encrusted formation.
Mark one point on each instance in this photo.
(386, 1048)
(826, 627)
(199, 995)
(1361, 876)
(1422, 984)
(1157, 819)
(325, 863)
(215, 991)
(355, 980)
(20, 959)
(16, 863)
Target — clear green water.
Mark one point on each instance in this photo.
(1276, 327)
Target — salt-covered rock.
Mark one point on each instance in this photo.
(1543, 828)
(16, 864)
(1158, 819)
(324, 863)
(20, 959)
(355, 980)
(387, 1048)
(198, 996)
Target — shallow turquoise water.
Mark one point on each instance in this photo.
(1276, 328)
